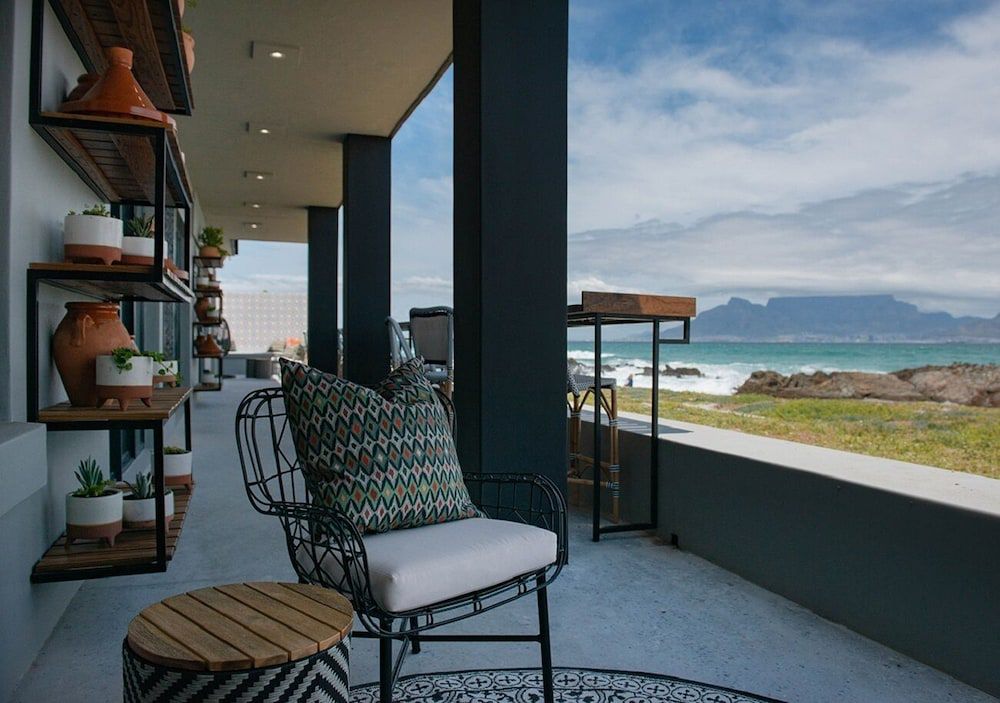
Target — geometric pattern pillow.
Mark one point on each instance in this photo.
(384, 456)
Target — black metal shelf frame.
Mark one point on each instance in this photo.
(598, 320)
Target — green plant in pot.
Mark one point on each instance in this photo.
(139, 244)
(177, 470)
(211, 243)
(93, 236)
(124, 375)
(94, 509)
(164, 370)
(139, 506)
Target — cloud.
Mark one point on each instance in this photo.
(933, 244)
(273, 282)
(680, 136)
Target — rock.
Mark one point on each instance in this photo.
(840, 384)
(681, 371)
(966, 384)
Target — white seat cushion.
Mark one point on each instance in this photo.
(419, 566)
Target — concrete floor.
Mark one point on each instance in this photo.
(628, 603)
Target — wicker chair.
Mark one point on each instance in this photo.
(327, 549)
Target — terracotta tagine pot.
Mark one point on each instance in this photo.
(117, 94)
(87, 331)
(207, 346)
(84, 82)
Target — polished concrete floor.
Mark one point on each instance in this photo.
(629, 603)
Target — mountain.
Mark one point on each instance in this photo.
(858, 318)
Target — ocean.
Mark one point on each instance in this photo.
(726, 365)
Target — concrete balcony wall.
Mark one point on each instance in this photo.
(907, 555)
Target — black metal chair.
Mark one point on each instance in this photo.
(326, 548)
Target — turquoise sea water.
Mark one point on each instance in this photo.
(726, 365)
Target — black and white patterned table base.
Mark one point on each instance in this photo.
(576, 685)
(322, 677)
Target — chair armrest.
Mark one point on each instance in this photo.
(531, 499)
(326, 549)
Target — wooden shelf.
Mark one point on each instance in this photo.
(208, 387)
(115, 282)
(134, 551)
(150, 28)
(166, 401)
(209, 292)
(208, 356)
(115, 156)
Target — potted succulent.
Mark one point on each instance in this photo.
(208, 377)
(124, 375)
(210, 243)
(202, 282)
(93, 236)
(177, 466)
(164, 370)
(212, 314)
(94, 510)
(139, 243)
(139, 506)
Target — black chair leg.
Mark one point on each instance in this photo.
(544, 641)
(385, 665)
(414, 639)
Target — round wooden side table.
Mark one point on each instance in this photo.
(246, 642)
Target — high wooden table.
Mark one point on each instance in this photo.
(269, 641)
(598, 309)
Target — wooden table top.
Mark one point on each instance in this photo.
(240, 626)
(633, 305)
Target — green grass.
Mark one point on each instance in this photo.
(948, 436)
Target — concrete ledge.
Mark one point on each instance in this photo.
(23, 469)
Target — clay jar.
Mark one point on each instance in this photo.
(87, 331)
(201, 307)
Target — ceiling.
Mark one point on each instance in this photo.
(350, 66)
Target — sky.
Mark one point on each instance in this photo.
(750, 149)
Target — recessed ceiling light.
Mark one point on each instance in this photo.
(252, 225)
(257, 175)
(264, 128)
(284, 53)
(254, 205)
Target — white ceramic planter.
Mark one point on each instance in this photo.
(141, 513)
(92, 239)
(94, 518)
(165, 371)
(208, 376)
(212, 314)
(202, 282)
(177, 469)
(124, 385)
(139, 250)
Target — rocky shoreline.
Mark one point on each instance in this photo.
(963, 384)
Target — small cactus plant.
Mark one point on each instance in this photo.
(91, 479)
(143, 486)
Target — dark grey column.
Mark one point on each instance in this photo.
(324, 252)
(510, 235)
(367, 191)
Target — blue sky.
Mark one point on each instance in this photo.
(749, 149)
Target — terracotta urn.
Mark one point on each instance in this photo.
(209, 252)
(201, 308)
(117, 93)
(87, 331)
(189, 50)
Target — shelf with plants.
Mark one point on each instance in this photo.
(150, 28)
(112, 130)
(210, 325)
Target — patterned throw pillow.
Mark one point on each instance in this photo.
(383, 456)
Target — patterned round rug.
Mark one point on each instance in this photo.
(577, 685)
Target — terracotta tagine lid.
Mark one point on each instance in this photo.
(117, 93)
(207, 346)
(84, 82)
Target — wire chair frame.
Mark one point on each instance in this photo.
(322, 540)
